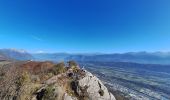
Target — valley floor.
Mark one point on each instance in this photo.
(132, 82)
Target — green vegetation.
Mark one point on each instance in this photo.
(73, 65)
(23, 79)
(59, 68)
(49, 93)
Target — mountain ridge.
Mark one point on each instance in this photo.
(136, 57)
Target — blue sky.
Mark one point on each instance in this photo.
(81, 26)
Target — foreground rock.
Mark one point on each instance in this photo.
(95, 88)
(87, 87)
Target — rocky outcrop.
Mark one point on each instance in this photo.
(86, 87)
(94, 88)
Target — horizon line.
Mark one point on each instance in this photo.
(65, 52)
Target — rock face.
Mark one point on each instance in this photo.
(95, 88)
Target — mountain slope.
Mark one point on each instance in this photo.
(3, 57)
(16, 54)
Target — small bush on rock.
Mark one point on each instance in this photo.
(49, 93)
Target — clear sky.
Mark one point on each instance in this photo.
(85, 25)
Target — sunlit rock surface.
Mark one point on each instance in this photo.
(95, 88)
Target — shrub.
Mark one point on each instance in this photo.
(59, 68)
(50, 74)
(23, 79)
(75, 69)
(72, 64)
(49, 93)
(35, 78)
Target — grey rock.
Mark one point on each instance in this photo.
(94, 87)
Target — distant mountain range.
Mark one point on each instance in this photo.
(14, 54)
(137, 57)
